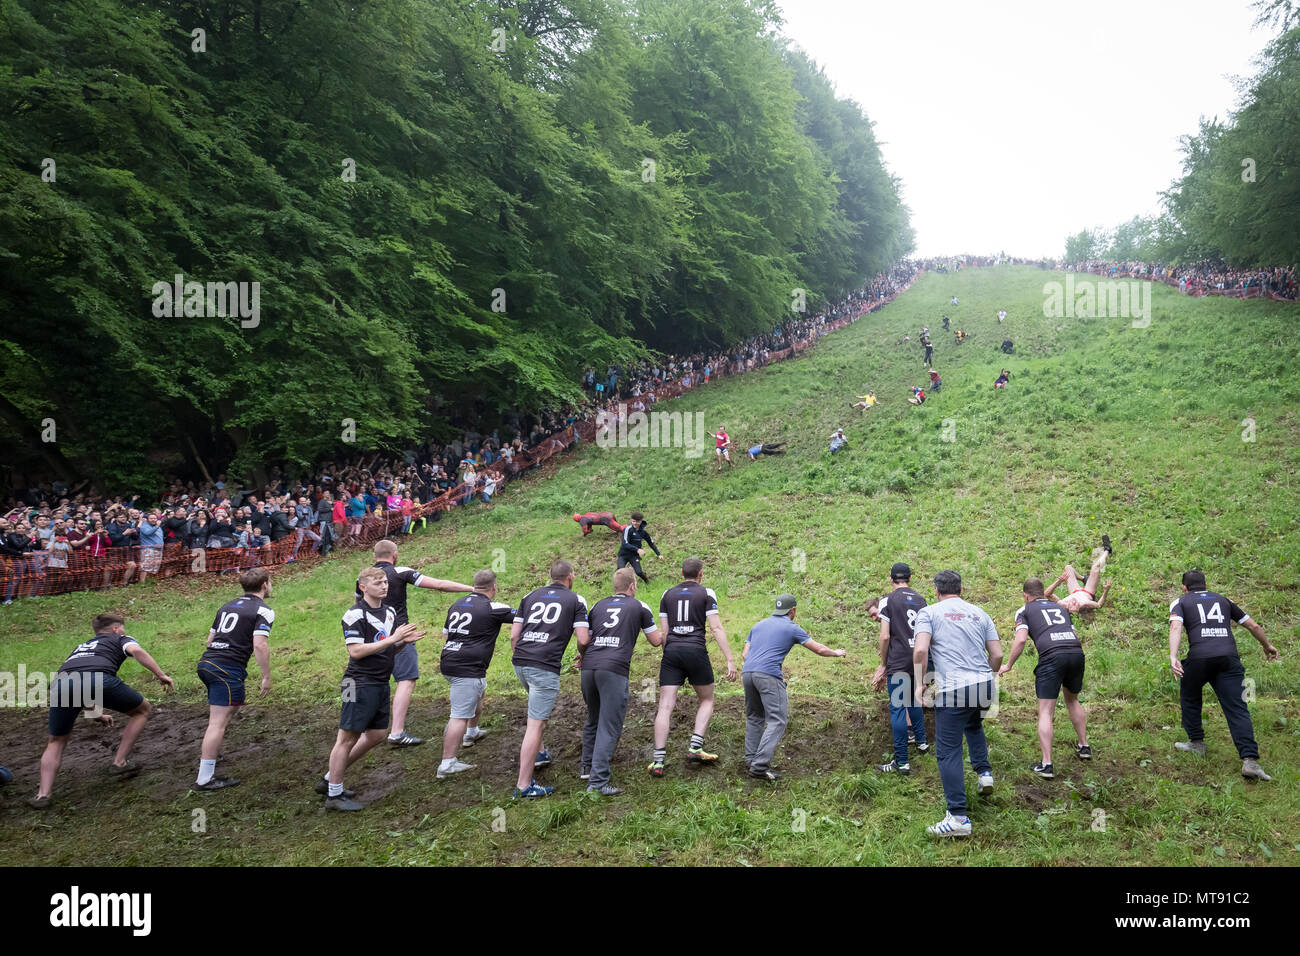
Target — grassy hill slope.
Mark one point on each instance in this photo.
(1106, 427)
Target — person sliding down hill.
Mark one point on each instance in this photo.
(866, 401)
(1084, 597)
(961, 336)
(936, 382)
(838, 440)
(918, 395)
(605, 518)
(1003, 377)
(773, 448)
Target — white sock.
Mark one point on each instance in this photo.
(207, 769)
(336, 789)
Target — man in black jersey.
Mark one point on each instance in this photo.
(372, 636)
(897, 616)
(241, 629)
(88, 681)
(471, 630)
(1060, 667)
(1212, 659)
(546, 619)
(630, 550)
(606, 659)
(406, 663)
(684, 612)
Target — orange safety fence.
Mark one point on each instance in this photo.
(98, 568)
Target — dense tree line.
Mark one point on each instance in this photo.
(450, 206)
(1238, 198)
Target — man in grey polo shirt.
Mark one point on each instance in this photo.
(767, 708)
(955, 636)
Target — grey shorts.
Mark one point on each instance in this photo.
(466, 692)
(543, 687)
(406, 663)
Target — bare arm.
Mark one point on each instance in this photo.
(262, 651)
(406, 634)
(920, 656)
(438, 584)
(1175, 639)
(1048, 593)
(148, 663)
(1105, 589)
(655, 637)
(720, 635)
(821, 650)
(995, 654)
(516, 629)
(1018, 645)
(1270, 652)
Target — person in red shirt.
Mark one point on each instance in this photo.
(935, 381)
(605, 518)
(722, 447)
(918, 395)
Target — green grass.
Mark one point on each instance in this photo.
(1137, 432)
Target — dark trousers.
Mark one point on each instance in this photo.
(606, 695)
(1226, 675)
(902, 704)
(954, 717)
(635, 562)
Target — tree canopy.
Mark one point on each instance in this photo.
(450, 208)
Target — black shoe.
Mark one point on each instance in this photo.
(1083, 751)
(1044, 770)
(216, 783)
(1105, 543)
(342, 803)
(765, 775)
(323, 788)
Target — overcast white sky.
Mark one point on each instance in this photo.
(1014, 123)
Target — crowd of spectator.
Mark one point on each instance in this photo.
(55, 527)
(1202, 278)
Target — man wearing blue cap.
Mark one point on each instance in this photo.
(767, 708)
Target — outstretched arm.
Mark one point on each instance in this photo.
(1048, 593)
(440, 585)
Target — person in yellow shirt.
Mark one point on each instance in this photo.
(865, 401)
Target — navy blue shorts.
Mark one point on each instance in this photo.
(368, 710)
(406, 663)
(1060, 670)
(225, 683)
(73, 691)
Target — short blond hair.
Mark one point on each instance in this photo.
(371, 574)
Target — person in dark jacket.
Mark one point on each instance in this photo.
(221, 533)
(197, 531)
(123, 536)
(630, 550)
(279, 523)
